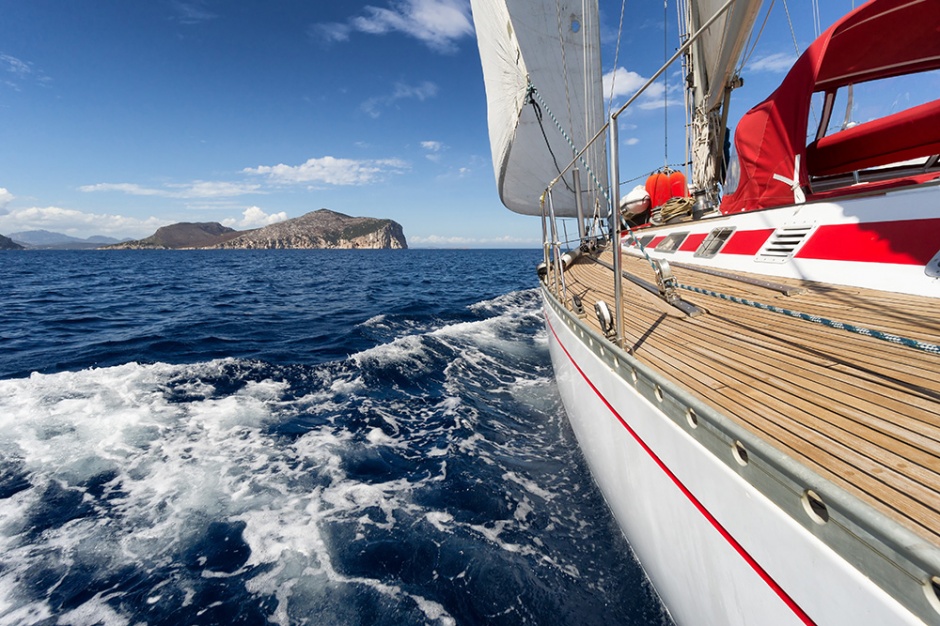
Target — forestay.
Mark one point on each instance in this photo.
(553, 47)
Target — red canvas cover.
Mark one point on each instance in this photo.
(880, 39)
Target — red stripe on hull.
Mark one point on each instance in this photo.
(692, 242)
(747, 241)
(760, 571)
(910, 242)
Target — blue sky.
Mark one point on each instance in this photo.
(120, 116)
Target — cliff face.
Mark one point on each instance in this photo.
(8, 244)
(322, 229)
(182, 235)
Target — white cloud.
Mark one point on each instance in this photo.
(773, 63)
(632, 141)
(436, 23)
(14, 66)
(5, 198)
(626, 82)
(443, 241)
(77, 223)
(374, 106)
(196, 189)
(192, 12)
(434, 149)
(328, 33)
(255, 217)
(18, 70)
(331, 171)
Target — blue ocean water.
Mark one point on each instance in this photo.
(293, 437)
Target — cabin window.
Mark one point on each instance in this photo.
(713, 242)
(645, 239)
(877, 130)
(672, 242)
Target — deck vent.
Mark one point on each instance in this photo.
(672, 242)
(713, 242)
(783, 243)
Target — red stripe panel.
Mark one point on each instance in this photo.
(692, 242)
(746, 241)
(910, 242)
(654, 242)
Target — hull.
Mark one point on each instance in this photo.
(722, 539)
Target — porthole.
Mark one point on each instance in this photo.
(932, 590)
(740, 453)
(691, 417)
(815, 507)
(659, 393)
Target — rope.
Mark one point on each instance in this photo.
(538, 117)
(868, 332)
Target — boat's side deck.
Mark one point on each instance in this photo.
(861, 412)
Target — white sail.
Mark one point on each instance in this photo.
(717, 52)
(713, 60)
(555, 48)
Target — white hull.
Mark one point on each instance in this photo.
(717, 549)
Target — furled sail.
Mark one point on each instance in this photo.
(713, 60)
(553, 47)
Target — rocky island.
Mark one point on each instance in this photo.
(322, 229)
(8, 244)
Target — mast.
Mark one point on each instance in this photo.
(711, 63)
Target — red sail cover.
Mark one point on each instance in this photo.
(880, 39)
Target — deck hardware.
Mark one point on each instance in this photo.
(815, 507)
(665, 281)
(686, 307)
(604, 317)
(659, 393)
(932, 589)
(740, 453)
(578, 306)
(691, 417)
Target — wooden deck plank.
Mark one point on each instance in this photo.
(861, 412)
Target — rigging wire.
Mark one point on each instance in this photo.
(665, 83)
(746, 57)
(613, 75)
(796, 46)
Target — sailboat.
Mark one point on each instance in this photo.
(749, 357)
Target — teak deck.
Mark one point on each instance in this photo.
(861, 412)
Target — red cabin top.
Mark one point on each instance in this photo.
(880, 39)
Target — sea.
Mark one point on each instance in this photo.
(294, 437)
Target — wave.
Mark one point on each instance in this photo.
(429, 479)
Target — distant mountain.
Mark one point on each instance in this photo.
(322, 229)
(8, 244)
(47, 240)
(318, 229)
(185, 235)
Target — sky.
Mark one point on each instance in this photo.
(121, 116)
